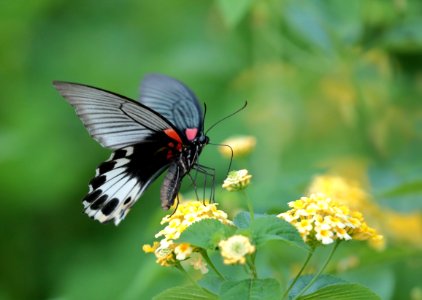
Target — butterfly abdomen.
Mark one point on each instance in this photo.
(171, 186)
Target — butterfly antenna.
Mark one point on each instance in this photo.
(226, 117)
(205, 113)
(231, 156)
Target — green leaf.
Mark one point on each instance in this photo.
(211, 282)
(344, 291)
(190, 292)
(405, 189)
(322, 281)
(267, 228)
(206, 233)
(251, 289)
(405, 37)
(376, 276)
(234, 11)
(330, 287)
(242, 220)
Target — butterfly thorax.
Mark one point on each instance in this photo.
(190, 152)
(179, 167)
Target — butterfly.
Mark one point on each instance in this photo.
(164, 130)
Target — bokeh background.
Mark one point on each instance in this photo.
(334, 87)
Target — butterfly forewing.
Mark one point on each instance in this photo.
(113, 120)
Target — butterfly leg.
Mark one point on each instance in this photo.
(195, 187)
(207, 172)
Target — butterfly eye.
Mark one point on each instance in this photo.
(203, 139)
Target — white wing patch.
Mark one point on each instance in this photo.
(113, 191)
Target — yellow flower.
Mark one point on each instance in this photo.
(399, 227)
(404, 227)
(183, 251)
(235, 248)
(167, 250)
(346, 191)
(150, 249)
(242, 145)
(237, 180)
(319, 219)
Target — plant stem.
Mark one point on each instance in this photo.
(308, 258)
(210, 263)
(319, 272)
(181, 269)
(249, 203)
(251, 263)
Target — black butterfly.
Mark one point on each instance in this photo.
(164, 130)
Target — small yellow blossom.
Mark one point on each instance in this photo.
(237, 180)
(242, 145)
(319, 219)
(150, 249)
(235, 248)
(167, 251)
(183, 251)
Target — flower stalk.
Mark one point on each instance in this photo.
(320, 270)
(249, 203)
(179, 266)
(207, 259)
(305, 264)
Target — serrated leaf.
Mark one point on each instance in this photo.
(234, 11)
(250, 289)
(330, 287)
(190, 292)
(267, 228)
(344, 291)
(206, 233)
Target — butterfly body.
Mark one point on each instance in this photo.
(163, 131)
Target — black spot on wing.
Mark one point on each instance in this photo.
(106, 166)
(92, 196)
(97, 204)
(110, 206)
(121, 153)
(98, 181)
(127, 200)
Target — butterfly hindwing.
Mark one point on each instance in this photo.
(122, 179)
(172, 99)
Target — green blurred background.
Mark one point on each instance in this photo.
(326, 82)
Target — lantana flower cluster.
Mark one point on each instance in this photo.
(237, 180)
(235, 249)
(319, 219)
(168, 251)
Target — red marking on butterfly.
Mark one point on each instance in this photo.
(191, 133)
(170, 132)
